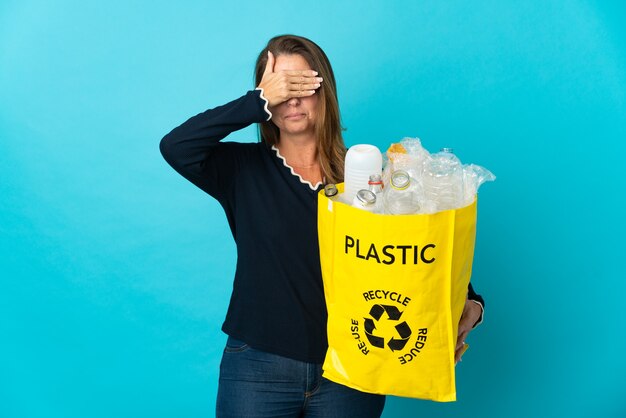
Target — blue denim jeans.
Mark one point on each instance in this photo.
(254, 383)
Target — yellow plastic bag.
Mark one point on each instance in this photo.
(395, 287)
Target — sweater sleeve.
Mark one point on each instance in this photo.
(476, 298)
(194, 150)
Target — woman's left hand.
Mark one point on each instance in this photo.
(471, 314)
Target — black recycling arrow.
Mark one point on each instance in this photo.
(392, 311)
(369, 326)
(377, 311)
(403, 330)
(398, 343)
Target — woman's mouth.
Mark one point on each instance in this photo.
(295, 116)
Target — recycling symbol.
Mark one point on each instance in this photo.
(393, 314)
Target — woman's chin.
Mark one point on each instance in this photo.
(298, 130)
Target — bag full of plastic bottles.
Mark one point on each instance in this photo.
(396, 263)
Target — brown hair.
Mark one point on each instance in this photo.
(331, 150)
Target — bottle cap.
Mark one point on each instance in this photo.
(400, 180)
(366, 197)
(330, 190)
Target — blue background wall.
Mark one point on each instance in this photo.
(115, 272)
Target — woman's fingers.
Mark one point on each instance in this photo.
(302, 93)
(269, 66)
(301, 86)
(302, 83)
(305, 73)
(301, 79)
(458, 354)
(461, 339)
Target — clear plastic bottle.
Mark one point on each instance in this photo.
(400, 198)
(443, 180)
(365, 200)
(375, 185)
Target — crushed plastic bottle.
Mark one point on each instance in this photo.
(442, 180)
(401, 197)
(473, 177)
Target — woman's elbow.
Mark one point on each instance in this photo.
(166, 147)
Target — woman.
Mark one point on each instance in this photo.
(276, 320)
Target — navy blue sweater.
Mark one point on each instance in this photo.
(277, 304)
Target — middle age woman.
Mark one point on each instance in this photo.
(276, 320)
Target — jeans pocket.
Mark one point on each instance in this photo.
(234, 345)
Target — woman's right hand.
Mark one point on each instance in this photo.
(281, 86)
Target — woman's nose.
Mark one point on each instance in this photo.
(294, 101)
